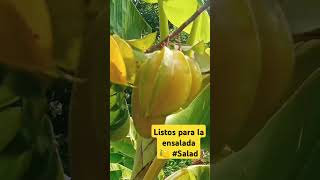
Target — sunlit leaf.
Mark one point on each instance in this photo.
(119, 114)
(203, 60)
(203, 32)
(150, 1)
(128, 57)
(145, 42)
(115, 157)
(178, 11)
(194, 172)
(125, 146)
(208, 51)
(199, 47)
(125, 172)
(118, 72)
(198, 112)
(146, 152)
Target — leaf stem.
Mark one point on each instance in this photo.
(193, 33)
(163, 22)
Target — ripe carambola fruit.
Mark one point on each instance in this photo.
(196, 78)
(277, 67)
(163, 85)
(236, 68)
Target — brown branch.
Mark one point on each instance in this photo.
(180, 29)
(306, 36)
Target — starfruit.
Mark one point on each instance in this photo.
(196, 78)
(164, 83)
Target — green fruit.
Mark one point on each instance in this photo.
(277, 67)
(236, 67)
(163, 85)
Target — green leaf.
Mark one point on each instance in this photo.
(119, 115)
(124, 146)
(203, 31)
(151, 1)
(203, 60)
(193, 172)
(283, 146)
(7, 97)
(10, 123)
(310, 169)
(178, 11)
(13, 166)
(125, 172)
(126, 21)
(144, 43)
(68, 27)
(199, 47)
(198, 112)
(307, 60)
(33, 110)
(115, 157)
(145, 154)
(302, 16)
(201, 2)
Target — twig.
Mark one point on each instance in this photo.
(315, 34)
(180, 29)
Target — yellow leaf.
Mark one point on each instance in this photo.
(128, 57)
(145, 43)
(118, 72)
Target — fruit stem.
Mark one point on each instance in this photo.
(163, 22)
(154, 168)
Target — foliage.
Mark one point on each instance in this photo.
(122, 148)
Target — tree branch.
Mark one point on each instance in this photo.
(180, 29)
(315, 34)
